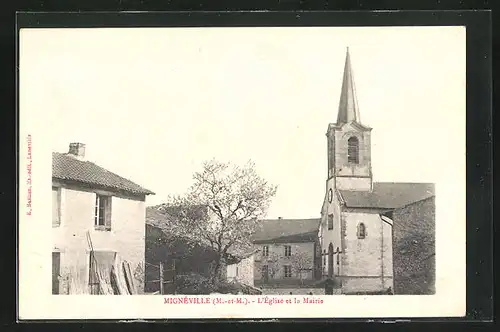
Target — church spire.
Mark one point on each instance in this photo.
(348, 105)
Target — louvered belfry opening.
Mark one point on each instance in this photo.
(353, 150)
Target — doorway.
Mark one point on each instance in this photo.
(56, 271)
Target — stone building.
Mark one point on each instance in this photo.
(288, 254)
(414, 245)
(95, 214)
(364, 222)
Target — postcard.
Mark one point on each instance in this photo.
(242, 172)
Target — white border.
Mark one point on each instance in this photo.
(35, 301)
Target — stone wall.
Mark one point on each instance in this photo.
(366, 284)
(366, 262)
(414, 248)
(354, 171)
(295, 291)
(277, 251)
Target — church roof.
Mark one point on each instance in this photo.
(388, 195)
(348, 104)
(287, 230)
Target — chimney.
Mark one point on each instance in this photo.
(77, 150)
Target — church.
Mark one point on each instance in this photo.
(375, 237)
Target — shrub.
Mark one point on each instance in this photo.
(196, 284)
(225, 287)
(193, 284)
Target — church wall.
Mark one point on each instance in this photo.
(363, 255)
(414, 243)
(333, 235)
(365, 284)
(352, 183)
(387, 255)
(367, 263)
(341, 137)
(353, 172)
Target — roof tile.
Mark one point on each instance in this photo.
(68, 168)
(289, 229)
(388, 195)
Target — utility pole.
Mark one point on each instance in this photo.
(161, 278)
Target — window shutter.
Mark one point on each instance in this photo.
(107, 219)
(96, 211)
(56, 221)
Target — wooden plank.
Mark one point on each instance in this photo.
(161, 279)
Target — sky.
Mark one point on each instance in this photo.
(151, 104)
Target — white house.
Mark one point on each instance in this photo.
(98, 221)
(243, 270)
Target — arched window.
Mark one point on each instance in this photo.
(361, 231)
(353, 150)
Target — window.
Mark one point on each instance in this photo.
(56, 271)
(353, 150)
(338, 256)
(288, 251)
(330, 221)
(56, 207)
(101, 263)
(288, 271)
(324, 257)
(102, 216)
(265, 251)
(361, 231)
(236, 271)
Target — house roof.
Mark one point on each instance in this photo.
(388, 195)
(65, 167)
(244, 254)
(287, 230)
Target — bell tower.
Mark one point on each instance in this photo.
(349, 141)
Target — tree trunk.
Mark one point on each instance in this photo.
(216, 274)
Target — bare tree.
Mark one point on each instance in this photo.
(301, 264)
(222, 209)
(272, 261)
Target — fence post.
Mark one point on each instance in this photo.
(174, 279)
(161, 278)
